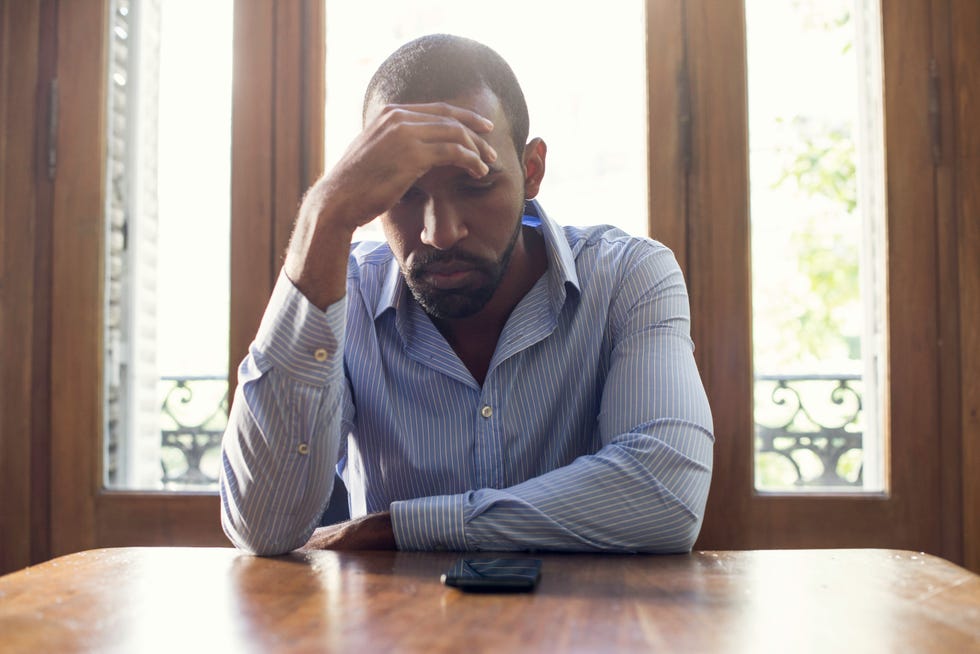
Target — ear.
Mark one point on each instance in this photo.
(535, 153)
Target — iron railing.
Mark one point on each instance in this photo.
(194, 414)
(812, 425)
(809, 423)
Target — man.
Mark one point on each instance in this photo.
(487, 380)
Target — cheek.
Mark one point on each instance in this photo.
(503, 210)
(396, 235)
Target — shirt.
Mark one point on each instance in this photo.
(591, 431)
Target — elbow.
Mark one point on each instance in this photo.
(253, 534)
(255, 541)
(684, 542)
(676, 540)
(675, 532)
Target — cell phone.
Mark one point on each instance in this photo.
(493, 575)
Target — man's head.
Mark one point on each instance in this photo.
(439, 67)
(454, 236)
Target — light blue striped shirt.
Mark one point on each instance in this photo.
(591, 432)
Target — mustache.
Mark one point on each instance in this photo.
(427, 258)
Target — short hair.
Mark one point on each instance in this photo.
(440, 67)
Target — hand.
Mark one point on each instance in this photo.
(398, 146)
(370, 532)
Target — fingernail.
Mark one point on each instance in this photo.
(492, 154)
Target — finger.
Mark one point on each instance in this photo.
(441, 121)
(443, 153)
(426, 141)
(454, 132)
(476, 122)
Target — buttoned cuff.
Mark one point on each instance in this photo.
(430, 523)
(299, 339)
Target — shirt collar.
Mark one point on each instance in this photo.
(561, 273)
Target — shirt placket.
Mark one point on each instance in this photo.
(488, 437)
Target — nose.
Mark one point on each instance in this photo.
(442, 227)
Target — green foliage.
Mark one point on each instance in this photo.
(821, 166)
(825, 16)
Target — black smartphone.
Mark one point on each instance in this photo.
(493, 574)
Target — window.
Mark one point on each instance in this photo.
(167, 251)
(816, 191)
(698, 181)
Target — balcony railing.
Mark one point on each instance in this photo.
(809, 426)
(194, 414)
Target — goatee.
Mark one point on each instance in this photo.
(465, 301)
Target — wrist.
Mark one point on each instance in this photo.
(374, 531)
(316, 260)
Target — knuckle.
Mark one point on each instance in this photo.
(460, 151)
(392, 114)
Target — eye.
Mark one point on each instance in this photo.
(476, 190)
(414, 194)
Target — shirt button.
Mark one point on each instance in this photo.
(486, 411)
(320, 355)
(303, 449)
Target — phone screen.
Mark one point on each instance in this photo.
(493, 574)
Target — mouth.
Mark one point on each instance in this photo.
(448, 277)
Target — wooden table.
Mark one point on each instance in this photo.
(218, 600)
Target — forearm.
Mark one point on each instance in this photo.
(282, 438)
(316, 261)
(276, 465)
(637, 495)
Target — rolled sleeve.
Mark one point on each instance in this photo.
(430, 523)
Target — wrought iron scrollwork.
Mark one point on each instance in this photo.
(816, 414)
(194, 412)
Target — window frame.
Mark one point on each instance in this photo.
(699, 205)
(276, 129)
(51, 426)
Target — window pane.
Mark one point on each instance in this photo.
(816, 168)
(167, 249)
(582, 73)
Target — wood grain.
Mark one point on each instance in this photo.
(19, 46)
(77, 274)
(755, 601)
(189, 519)
(948, 289)
(252, 175)
(718, 256)
(964, 27)
(40, 398)
(912, 270)
(298, 127)
(277, 143)
(667, 119)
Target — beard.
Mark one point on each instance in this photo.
(464, 301)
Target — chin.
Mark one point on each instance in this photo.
(453, 306)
